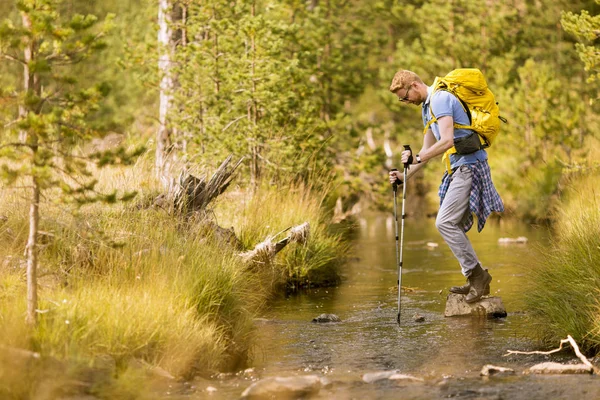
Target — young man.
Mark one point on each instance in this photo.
(467, 190)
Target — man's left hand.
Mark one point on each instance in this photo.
(407, 157)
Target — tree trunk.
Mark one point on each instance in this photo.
(30, 82)
(32, 252)
(164, 134)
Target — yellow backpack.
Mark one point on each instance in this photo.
(470, 87)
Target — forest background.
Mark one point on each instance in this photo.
(299, 89)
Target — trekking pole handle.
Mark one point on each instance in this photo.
(396, 182)
(407, 148)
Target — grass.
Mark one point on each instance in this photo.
(564, 289)
(270, 212)
(132, 284)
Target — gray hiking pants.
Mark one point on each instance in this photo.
(449, 219)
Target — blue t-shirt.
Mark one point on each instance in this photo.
(443, 104)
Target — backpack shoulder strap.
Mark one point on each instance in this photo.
(433, 120)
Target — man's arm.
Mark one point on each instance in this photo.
(428, 142)
(431, 148)
(446, 125)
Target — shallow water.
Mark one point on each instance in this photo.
(447, 353)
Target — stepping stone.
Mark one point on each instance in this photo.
(557, 368)
(326, 318)
(489, 370)
(489, 307)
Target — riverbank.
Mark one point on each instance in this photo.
(445, 355)
(562, 288)
(133, 289)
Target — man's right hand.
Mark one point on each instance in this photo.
(395, 177)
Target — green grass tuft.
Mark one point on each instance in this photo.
(563, 290)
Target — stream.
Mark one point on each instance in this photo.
(446, 353)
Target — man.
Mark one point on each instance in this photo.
(468, 188)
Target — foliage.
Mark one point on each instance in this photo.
(587, 30)
(537, 84)
(47, 122)
(561, 291)
(274, 80)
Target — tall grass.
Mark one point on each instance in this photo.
(564, 290)
(132, 283)
(270, 212)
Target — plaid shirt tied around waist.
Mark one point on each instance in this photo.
(484, 198)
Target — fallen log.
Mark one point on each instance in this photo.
(265, 251)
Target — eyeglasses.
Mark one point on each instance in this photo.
(405, 98)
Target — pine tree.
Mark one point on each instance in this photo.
(586, 29)
(47, 116)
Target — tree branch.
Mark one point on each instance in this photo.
(573, 344)
(12, 58)
(54, 56)
(233, 122)
(15, 144)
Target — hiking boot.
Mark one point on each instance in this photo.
(480, 281)
(464, 289)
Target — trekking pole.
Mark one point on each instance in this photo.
(400, 245)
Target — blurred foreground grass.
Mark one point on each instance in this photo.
(563, 291)
(134, 285)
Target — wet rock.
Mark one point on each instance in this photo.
(326, 318)
(393, 375)
(418, 318)
(371, 377)
(490, 307)
(519, 240)
(223, 376)
(557, 368)
(489, 369)
(404, 377)
(284, 387)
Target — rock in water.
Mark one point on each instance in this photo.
(557, 368)
(418, 318)
(326, 318)
(393, 375)
(371, 377)
(284, 387)
(490, 307)
(489, 370)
